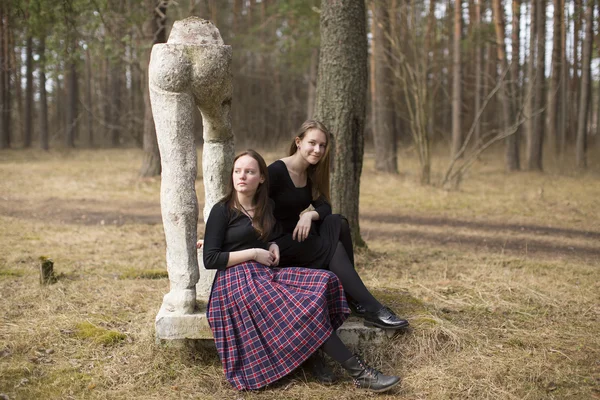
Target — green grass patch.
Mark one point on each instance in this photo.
(144, 274)
(87, 330)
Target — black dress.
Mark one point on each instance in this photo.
(317, 249)
(265, 321)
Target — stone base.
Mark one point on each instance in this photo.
(171, 326)
(195, 326)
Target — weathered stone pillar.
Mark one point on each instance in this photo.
(193, 69)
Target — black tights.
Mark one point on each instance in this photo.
(336, 349)
(346, 239)
(341, 266)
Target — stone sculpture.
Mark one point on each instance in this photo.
(193, 69)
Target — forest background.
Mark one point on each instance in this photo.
(479, 192)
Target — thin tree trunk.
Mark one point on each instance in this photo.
(478, 72)
(530, 104)
(456, 82)
(4, 132)
(28, 121)
(155, 29)
(71, 105)
(552, 120)
(115, 99)
(511, 160)
(563, 90)
(312, 83)
(44, 136)
(575, 80)
(536, 135)
(515, 67)
(381, 101)
(585, 90)
(89, 116)
(341, 100)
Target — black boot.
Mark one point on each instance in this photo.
(369, 378)
(385, 318)
(318, 368)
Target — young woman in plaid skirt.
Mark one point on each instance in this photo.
(266, 321)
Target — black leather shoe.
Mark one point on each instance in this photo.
(385, 318)
(369, 378)
(356, 308)
(319, 369)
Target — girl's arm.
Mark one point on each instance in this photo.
(214, 257)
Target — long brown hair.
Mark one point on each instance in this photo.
(318, 173)
(263, 220)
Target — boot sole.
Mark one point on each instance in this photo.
(385, 389)
(382, 326)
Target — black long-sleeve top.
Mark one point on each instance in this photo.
(227, 231)
(290, 200)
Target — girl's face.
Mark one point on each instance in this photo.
(246, 176)
(312, 146)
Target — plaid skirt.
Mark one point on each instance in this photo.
(266, 322)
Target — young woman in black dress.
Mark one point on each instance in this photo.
(266, 321)
(318, 239)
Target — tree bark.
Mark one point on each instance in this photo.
(341, 100)
(156, 29)
(382, 92)
(585, 90)
(44, 137)
(456, 84)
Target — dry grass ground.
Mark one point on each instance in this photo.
(500, 279)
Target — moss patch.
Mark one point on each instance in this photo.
(87, 330)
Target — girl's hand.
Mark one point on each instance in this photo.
(264, 257)
(199, 243)
(274, 250)
(302, 227)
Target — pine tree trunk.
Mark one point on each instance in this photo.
(115, 99)
(552, 120)
(28, 121)
(89, 116)
(382, 101)
(44, 137)
(341, 100)
(563, 89)
(71, 105)
(478, 73)
(515, 69)
(312, 83)
(456, 84)
(156, 29)
(511, 155)
(585, 90)
(4, 132)
(536, 138)
(575, 80)
(532, 76)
